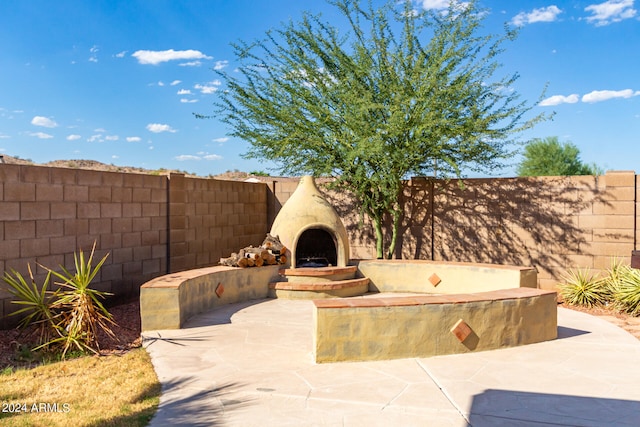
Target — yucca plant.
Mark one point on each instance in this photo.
(627, 292)
(82, 313)
(36, 303)
(582, 287)
(617, 269)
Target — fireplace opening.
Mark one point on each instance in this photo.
(316, 248)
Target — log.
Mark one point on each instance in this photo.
(271, 252)
(270, 259)
(273, 243)
(231, 261)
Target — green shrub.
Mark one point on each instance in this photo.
(582, 287)
(627, 292)
(37, 303)
(80, 307)
(70, 316)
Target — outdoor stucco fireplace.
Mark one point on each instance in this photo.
(311, 229)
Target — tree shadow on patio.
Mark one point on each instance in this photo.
(507, 408)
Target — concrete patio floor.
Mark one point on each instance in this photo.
(251, 364)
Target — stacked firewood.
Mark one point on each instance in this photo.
(270, 252)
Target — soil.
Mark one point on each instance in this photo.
(127, 317)
(14, 343)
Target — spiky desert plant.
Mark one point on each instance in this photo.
(582, 287)
(627, 292)
(36, 303)
(82, 313)
(617, 269)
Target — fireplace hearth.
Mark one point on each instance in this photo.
(309, 226)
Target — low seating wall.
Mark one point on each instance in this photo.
(440, 277)
(360, 329)
(168, 301)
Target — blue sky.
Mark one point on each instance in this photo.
(119, 81)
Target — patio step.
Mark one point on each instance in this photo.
(318, 290)
(318, 274)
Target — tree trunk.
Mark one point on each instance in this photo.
(377, 224)
(394, 233)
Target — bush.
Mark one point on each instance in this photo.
(37, 303)
(69, 316)
(582, 287)
(627, 292)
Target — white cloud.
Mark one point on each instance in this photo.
(115, 156)
(560, 99)
(102, 130)
(112, 137)
(610, 11)
(208, 88)
(191, 64)
(220, 65)
(44, 122)
(94, 54)
(188, 101)
(160, 84)
(4, 137)
(604, 95)
(134, 139)
(435, 4)
(200, 156)
(223, 139)
(176, 82)
(543, 14)
(157, 128)
(155, 57)
(184, 92)
(184, 157)
(95, 138)
(120, 54)
(73, 137)
(443, 5)
(41, 135)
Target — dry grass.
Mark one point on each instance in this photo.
(88, 391)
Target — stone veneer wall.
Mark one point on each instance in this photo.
(550, 223)
(150, 225)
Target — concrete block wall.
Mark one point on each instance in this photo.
(150, 225)
(210, 219)
(46, 214)
(550, 223)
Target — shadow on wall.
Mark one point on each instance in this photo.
(506, 408)
(521, 221)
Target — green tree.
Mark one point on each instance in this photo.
(401, 92)
(549, 157)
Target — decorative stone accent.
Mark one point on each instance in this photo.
(435, 280)
(461, 330)
(219, 290)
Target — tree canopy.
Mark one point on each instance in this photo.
(550, 157)
(403, 92)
